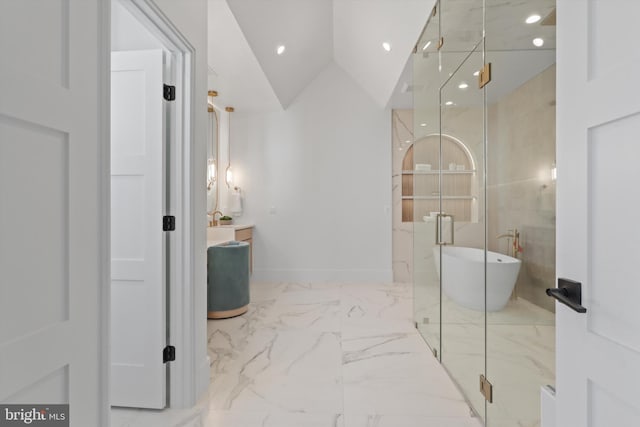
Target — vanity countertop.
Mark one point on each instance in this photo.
(235, 226)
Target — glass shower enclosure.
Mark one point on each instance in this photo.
(480, 174)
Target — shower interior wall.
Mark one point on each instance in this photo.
(520, 191)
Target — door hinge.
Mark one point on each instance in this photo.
(485, 75)
(169, 92)
(440, 43)
(415, 325)
(486, 389)
(434, 11)
(168, 223)
(435, 353)
(168, 354)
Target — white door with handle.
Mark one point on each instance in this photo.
(598, 231)
(138, 259)
(53, 80)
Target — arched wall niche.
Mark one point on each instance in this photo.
(424, 178)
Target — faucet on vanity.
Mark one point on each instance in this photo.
(213, 221)
(514, 236)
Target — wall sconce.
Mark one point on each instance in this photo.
(211, 173)
(229, 172)
(229, 176)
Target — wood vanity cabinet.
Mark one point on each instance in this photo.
(246, 235)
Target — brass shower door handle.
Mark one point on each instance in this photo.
(439, 226)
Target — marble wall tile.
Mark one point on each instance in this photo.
(521, 152)
(402, 234)
(464, 124)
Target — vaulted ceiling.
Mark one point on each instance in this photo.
(244, 35)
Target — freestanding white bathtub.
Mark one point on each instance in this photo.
(463, 278)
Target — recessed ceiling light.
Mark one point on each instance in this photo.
(532, 19)
(476, 74)
(426, 45)
(423, 124)
(386, 46)
(538, 42)
(280, 49)
(463, 85)
(448, 103)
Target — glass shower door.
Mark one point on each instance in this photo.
(521, 193)
(482, 182)
(423, 176)
(461, 239)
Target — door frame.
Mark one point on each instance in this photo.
(104, 209)
(183, 372)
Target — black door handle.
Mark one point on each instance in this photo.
(569, 293)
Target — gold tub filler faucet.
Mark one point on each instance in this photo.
(514, 237)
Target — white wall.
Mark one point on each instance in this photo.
(316, 184)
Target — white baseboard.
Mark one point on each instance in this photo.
(547, 406)
(319, 276)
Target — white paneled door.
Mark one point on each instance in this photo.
(138, 287)
(53, 75)
(598, 237)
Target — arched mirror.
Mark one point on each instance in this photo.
(212, 155)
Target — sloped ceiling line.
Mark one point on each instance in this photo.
(317, 33)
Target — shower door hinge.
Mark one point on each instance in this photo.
(168, 223)
(169, 92)
(486, 389)
(440, 43)
(435, 353)
(168, 354)
(434, 11)
(415, 325)
(485, 75)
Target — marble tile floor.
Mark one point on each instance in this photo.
(330, 355)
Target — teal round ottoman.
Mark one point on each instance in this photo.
(227, 280)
